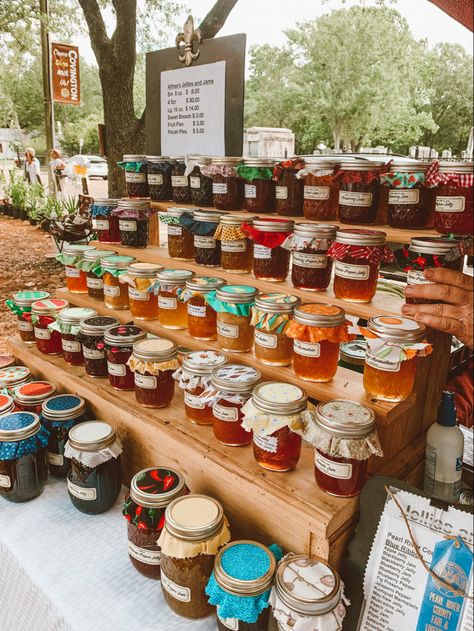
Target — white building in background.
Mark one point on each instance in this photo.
(269, 142)
(8, 137)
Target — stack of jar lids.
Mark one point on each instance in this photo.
(7, 404)
(63, 407)
(34, 392)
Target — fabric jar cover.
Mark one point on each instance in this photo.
(434, 177)
(132, 167)
(409, 259)
(236, 308)
(168, 220)
(229, 233)
(200, 228)
(268, 239)
(396, 179)
(101, 210)
(375, 254)
(75, 313)
(266, 320)
(25, 296)
(15, 422)
(314, 334)
(251, 173)
(93, 459)
(266, 423)
(219, 169)
(295, 164)
(298, 243)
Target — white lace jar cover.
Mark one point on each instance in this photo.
(92, 443)
(196, 372)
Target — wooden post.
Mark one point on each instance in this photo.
(48, 102)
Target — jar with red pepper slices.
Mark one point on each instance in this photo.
(153, 363)
(159, 178)
(259, 187)
(288, 187)
(200, 185)
(103, 222)
(151, 490)
(311, 267)
(91, 265)
(71, 256)
(271, 261)
(227, 187)
(119, 341)
(91, 336)
(454, 196)
(20, 305)
(320, 189)
(68, 325)
(44, 313)
(359, 191)
(408, 197)
(180, 181)
(135, 175)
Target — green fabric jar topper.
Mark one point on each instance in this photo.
(396, 179)
(235, 299)
(169, 220)
(68, 259)
(14, 308)
(254, 173)
(132, 167)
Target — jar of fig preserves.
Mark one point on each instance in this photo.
(180, 181)
(20, 305)
(151, 491)
(180, 239)
(320, 189)
(11, 377)
(233, 384)
(271, 261)
(227, 187)
(68, 325)
(203, 224)
(29, 397)
(200, 185)
(119, 341)
(143, 290)
(232, 305)
(70, 257)
(311, 267)
(259, 187)
(202, 319)
(135, 168)
(44, 313)
(288, 187)
(159, 178)
(134, 222)
(408, 197)
(274, 415)
(115, 288)
(195, 529)
(172, 311)
(454, 196)
(357, 255)
(236, 248)
(91, 265)
(91, 336)
(103, 222)
(153, 363)
(359, 191)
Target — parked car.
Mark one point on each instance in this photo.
(96, 165)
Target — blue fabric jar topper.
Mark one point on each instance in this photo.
(12, 429)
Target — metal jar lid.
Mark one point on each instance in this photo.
(129, 157)
(18, 426)
(273, 225)
(50, 306)
(432, 245)
(320, 315)
(236, 219)
(7, 404)
(105, 202)
(133, 204)
(74, 315)
(175, 211)
(235, 378)
(147, 489)
(34, 392)
(259, 162)
(361, 165)
(359, 236)
(277, 303)
(315, 230)
(241, 587)
(322, 162)
(63, 407)
(397, 328)
(155, 349)
(209, 216)
(144, 270)
(279, 398)
(203, 362)
(77, 248)
(174, 276)
(236, 294)
(91, 436)
(408, 166)
(194, 517)
(124, 335)
(96, 255)
(177, 158)
(456, 167)
(156, 159)
(117, 262)
(204, 284)
(200, 160)
(353, 352)
(97, 325)
(14, 375)
(227, 160)
(27, 298)
(344, 418)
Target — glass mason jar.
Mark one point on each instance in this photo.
(259, 187)
(135, 175)
(236, 248)
(141, 295)
(44, 313)
(29, 397)
(153, 363)
(227, 187)
(91, 336)
(270, 261)
(271, 316)
(23, 470)
(76, 279)
(159, 178)
(320, 189)
(179, 181)
(408, 199)
(119, 341)
(7, 404)
(233, 304)
(202, 319)
(207, 249)
(352, 355)
(134, 222)
(115, 292)
(200, 185)
(234, 384)
(454, 198)
(60, 413)
(68, 326)
(93, 488)
(311, 267)
(11, 377)
(180, 239)
(21, 306)
(103, 222)
(172, 312)
(288, 188)
(359, 191)
(151, 491)
(93, 269)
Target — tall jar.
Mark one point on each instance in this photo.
(179, 181)
(259, 187)
(159, 178)
(200, 185)
(91, 336)
(135, 175)
(29, 396)
(233, 304)
(236, 248)
(180, 239)
(90, 264)
(153, 363)
(227, 187)
(311, 267)
(203, 224)
(288, 187)
(194, 378)
(202, 319)
(11, 377)
(67, 325)
(271, 261)
(20, 305)
(408, 197)
(134, 222)
(234, 384)
(195, 529)
(271, 317)
(454, 197)
(115, 288)
(44, 313)
(320, 189)
(143, 290)
(172, 311)
(359, 191)
(119, 341)
(274, 415)
(151, 491)
(76, 279)
(104, 224)
(358, 254)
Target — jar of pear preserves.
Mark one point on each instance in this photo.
(153, 364)
(236, 248)
(202, 319)
(76, 278)
(115, 290)
(271, 261)
(311, 266)
(143, 290)
(271, 317)
(233, 304)
(180, 239)
(172, 311)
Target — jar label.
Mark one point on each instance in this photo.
(42, 334)
(313, 261)
(219, 188)
(72, 272)
(195, 182)
(150, 557)
(135, 178)
(339, 470)
(134, 294)
(175, 231)
(111, 290)
(415, 277)
(239, 245)
(167, 303)
(24, 325)
(225, 414)
(351, 198)
(404, 196)
(320, 193)
(450, 204)
(88, 495)
(71, 346)
(204, 242)
(198, 311)
(148, 382)
(56, 460)
(229, 623)
(228, 330)
(127, 225)
(354, 272)
(193, 401)
(116, 370)
(261, 252)
(5, 481)
(182, 594)
(155, 179)
(179, 180)
(307, 349)
(100, 224)
(281, 192)
(250, 191)
(92, 353)
(266, 443)
(267, 340)
(381, 363)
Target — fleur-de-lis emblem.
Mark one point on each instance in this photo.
(185, 40)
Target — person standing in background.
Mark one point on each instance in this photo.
(56, 162)
(32, 167)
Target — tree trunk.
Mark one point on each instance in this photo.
(337, 141)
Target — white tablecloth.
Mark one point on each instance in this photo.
(61, 570)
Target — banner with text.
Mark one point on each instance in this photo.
(65, 74)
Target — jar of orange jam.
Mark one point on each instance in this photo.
(153, 363)
(180, 239)
(194, 378)
(233, 304)
(202, 319)
(115, 289)
(76, 278)
(274, 414)
(172, 311)
(90, 264)
(236, 248)
(143, 290)
(317, 330)
(20, 305)
(271, 317)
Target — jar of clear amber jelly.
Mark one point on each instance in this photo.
(143, 290)
(92, 267)
(227, 187)
(20, 305)
(68, 325)
(320, 188)
(234, 384)
(271, 261)
(172, 311)
(236, 248)
(159, 178)
(44, 313)
(233, 305)
(134, 222)
(104, 223)
(408, 197)
(76, 278)
(203, 224)
(180, 239)
(274, 415)
(91, 336)
(357, 255)
(153, 363)
(259, 187)
(135, 175)
(11, 377)
(180, 181)
(359, 191)
(271, 316)
(202, 319)
(311, 267)
(288, 187)
(194, 378)
(119, 341)
(115, 290)
(454, 198)
(30, 396)
(200, 185)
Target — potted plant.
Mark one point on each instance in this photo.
(34, 203)
(18, 191)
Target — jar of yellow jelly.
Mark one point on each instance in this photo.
(233, 304)
(202, 319)
(172, 311)
(76, 278)
(116, 290)
(143, 290)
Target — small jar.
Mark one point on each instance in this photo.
(60, 413)
(352, 355)
(311, 267)
(233, 305)
(357, 254)
(7, 404)
(195, 529)
(135, 175)
(454, 198)
(172, 311)
(153, 363)
(134, 222)
(194, 377)
(142, 283)
(288, 187)
(115, 290)
(234, 384)
(103, 222)
(93, 480)
(359, 191)
(271, 316)
(20, 305)
(29, 397)
(44, 313)
(91, 264)
(159, 178)
(408, 196)
(274, 415)
(236, 248)
(180, 239)
(270, 261)
(259, 187)
(12, 377)
(76, 278)
(227, 187)
(91, 336)
(203, 224)
(119, 341)
(151, 491)
(202, 319)
(68, 326)
(23, 470)
(179, 181)
(320, 189)
(200, 184)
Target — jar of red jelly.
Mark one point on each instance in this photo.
(454, 197)
(359, 191)
(159, 178)
(234, 384)
(271, 261)
(134, 222)
(7, 404)
(200, 185)
(103, 222)
(345, 437)
(203, 224)
(311, 267)
(143, 290)
(180, 181)
(70, 257)
(91, 336)
(135, 175)
(11, 377)
(153, 363)
(274, 415)
(180, 238)
(91, 265)
(227, 187)
(320, 188)
(20, 305)
(44, 313)
(259, 187)
(236, 248)
(408, 197)
(288, 187)
(271, 317)
(119, 341)
(202, 319)
(68, 325)
(357, 255)
(30, 396)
